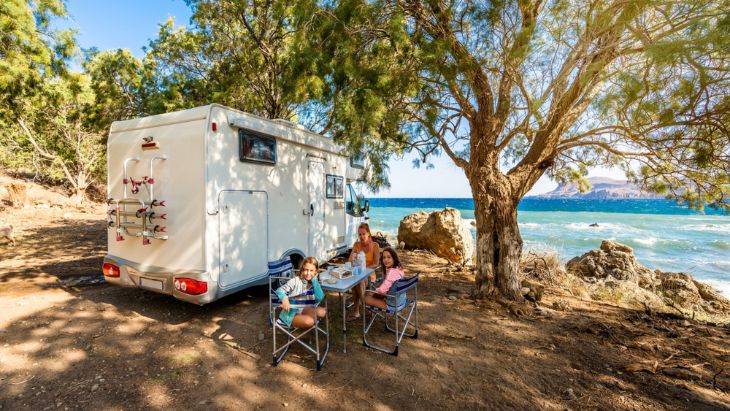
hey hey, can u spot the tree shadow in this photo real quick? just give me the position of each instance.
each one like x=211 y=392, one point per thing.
x=62 y=244
x=111 y=346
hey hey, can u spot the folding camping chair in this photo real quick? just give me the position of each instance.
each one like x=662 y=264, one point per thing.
x=402 y=314
x=292 y=333
x=280 y=271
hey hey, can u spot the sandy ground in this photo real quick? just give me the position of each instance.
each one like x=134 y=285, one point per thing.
x=68 y=341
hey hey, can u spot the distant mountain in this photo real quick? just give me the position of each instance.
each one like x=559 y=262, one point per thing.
x=601 y=188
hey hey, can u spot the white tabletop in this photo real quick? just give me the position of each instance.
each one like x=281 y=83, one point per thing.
x=344 y=284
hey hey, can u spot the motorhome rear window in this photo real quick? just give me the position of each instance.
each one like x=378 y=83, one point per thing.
x=357 y=160
x=257 y=147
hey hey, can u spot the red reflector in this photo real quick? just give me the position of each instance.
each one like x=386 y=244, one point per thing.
x=215 y=126
x=150 y=145
x=110 y=270
x=190 y=286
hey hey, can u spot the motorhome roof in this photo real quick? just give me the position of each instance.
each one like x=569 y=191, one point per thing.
x=278 y=127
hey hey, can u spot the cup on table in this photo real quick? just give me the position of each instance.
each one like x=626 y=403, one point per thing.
x=348 y=266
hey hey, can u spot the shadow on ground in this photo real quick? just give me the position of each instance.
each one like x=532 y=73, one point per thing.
x=110 y=347
x=105 y=347
x=45 y=253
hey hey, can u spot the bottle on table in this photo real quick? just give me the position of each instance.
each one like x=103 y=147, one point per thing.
x=363 y=266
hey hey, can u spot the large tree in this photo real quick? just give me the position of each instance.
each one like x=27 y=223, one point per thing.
x=234 y=52
x=512 y=90
x=44 y=106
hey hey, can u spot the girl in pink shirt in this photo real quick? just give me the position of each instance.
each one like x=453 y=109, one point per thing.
x=393 y=273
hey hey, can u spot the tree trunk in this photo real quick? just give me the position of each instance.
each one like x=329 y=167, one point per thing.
x=79 y=196
x=499 y=244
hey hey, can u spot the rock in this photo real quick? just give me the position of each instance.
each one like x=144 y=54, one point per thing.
x=534 y=290
x=615 y=275
x=410 y=229
x=679 y=288
x=571 y=394
x=94 y=387
x=442 y=232
x=561 y=305
x=612 y=260
x=714 y=299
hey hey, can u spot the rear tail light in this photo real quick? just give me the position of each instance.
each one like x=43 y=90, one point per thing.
x=190 y=286
x=110 y=270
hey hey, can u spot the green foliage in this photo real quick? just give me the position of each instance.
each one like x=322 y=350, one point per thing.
x=26 y=54
x=123 y=87
x=235 y=53
x=43 y=106
x=560 y=86
x=676 y=108
x=557 y=86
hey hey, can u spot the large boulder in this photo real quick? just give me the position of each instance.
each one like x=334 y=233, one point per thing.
x=612 y=260
x=442 y=232
x=614 y=271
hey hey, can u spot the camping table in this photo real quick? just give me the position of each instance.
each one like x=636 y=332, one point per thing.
x=342 y=286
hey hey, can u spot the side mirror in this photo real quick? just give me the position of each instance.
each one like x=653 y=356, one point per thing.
x=367 y=206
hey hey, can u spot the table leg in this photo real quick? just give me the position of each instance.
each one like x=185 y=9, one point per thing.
x=344 y=323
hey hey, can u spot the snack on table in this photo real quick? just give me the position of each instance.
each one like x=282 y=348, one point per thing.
x=340 y=273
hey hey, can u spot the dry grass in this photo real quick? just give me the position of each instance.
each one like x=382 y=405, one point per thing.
x=544 y=267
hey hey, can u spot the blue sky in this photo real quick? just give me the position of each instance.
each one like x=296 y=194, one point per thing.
x=130 y=24
x=108 y=24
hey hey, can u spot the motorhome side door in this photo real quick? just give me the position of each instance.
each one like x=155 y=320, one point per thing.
x=315 y=186
x=244 y=236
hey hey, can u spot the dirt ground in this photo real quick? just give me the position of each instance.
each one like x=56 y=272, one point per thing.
x=70 y=341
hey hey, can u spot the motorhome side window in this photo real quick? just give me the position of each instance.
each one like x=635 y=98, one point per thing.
x=334 y=186
x=256 y=147
x=357 y=161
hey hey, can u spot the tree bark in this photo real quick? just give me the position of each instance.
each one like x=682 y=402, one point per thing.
x=499 y=243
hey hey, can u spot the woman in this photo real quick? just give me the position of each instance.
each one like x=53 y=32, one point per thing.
x=371 y=249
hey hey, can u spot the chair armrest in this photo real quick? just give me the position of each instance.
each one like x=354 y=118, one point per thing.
x=375 y=292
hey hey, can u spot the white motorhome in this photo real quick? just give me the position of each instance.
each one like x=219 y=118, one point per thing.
x=201 y=200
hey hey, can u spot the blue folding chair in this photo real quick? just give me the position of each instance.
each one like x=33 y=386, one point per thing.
x=279 y=273
x=405 y=312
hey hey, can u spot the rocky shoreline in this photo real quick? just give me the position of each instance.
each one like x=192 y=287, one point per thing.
x=609 y=274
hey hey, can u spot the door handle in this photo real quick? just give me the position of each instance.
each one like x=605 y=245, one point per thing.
x=311 y=210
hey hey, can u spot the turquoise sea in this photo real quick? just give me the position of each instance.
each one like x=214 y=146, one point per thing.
x=662 y=233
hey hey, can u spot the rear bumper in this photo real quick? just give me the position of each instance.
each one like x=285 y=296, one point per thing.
x=160 y=280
